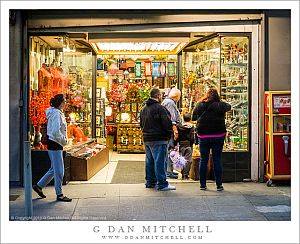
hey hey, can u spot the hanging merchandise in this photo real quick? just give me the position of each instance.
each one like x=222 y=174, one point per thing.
x=138 y=69
x=162 y=69
x=155 y=69
x=148 y=68
x=39 y=102
x=171 y=69
x=100 y=64
x=44 y=78
x=122 y=64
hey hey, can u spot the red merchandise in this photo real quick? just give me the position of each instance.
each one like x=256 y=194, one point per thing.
x=44 y=78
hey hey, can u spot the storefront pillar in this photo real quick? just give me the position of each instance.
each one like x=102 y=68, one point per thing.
x=18 y=105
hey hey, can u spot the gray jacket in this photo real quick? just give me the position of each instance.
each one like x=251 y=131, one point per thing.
x=170 y=105
x=57 y=126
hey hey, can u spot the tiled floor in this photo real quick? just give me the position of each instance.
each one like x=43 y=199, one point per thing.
x=105 y=175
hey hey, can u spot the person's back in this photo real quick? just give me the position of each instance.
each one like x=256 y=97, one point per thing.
x=155 y=123
x=186 y=132
x=210 y=117
x=211 y=131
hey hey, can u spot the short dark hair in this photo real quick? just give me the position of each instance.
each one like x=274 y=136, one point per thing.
x=57 y=100
x=187 y=117
x=154 y=93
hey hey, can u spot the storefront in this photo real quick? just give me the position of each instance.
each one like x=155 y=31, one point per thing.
x=106 y=77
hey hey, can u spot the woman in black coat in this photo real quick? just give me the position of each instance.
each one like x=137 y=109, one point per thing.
x=211 y=131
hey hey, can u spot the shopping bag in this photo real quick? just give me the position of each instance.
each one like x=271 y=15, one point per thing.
x=178 y=161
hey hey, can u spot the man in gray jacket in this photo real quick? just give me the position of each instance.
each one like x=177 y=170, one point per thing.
x=170 y=104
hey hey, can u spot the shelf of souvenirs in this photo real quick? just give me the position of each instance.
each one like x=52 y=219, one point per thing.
x=233 y=93
x=224 y=78
x=73 y=148
x=83 y=122
x=242 y=87
x=235 y=64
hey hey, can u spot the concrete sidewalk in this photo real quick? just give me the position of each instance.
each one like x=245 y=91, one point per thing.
x=238 y=202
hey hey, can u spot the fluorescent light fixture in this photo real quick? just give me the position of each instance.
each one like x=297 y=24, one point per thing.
x=137 y=46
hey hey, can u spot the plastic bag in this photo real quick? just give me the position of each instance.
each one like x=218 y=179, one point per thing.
x=178 y=161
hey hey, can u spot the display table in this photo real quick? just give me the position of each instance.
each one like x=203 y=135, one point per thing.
x=85 y=167
x=81 y=161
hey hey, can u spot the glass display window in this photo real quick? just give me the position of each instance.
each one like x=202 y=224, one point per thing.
x=201 y=70
x=220 y=62
x=56 y=70
x=282 y=124
x=79 y=93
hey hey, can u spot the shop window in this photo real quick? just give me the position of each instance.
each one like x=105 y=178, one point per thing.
x=55 y=70
x=220 y=62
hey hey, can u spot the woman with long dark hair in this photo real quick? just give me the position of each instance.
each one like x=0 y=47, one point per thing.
x=211 y=131
x=56 y=139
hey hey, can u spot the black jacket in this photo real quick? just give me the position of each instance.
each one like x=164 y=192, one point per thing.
x=213 y=120
x=186 y=134
x=155 y=121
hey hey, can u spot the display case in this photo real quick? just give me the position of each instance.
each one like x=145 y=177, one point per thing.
x=200 y=71
x=78 y=109
x=130 y=138
x=234 y=90
x=55 y=68
x=278 y=136
x=222 y=61
x=87 y=160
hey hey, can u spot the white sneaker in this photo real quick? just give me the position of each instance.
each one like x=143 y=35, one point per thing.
x=168 y=188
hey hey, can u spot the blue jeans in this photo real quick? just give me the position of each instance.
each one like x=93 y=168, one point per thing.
x=216 y=144
x=156 y=154
x=56 y=170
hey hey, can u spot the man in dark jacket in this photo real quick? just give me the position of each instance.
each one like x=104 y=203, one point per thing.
x=157 y=130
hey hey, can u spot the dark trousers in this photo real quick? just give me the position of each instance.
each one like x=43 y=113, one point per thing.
x=216 y=144
x=186 y=151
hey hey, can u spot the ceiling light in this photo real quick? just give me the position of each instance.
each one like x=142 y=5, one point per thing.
x=137 y=46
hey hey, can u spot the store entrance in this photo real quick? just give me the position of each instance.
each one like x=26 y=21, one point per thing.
x=107 y=82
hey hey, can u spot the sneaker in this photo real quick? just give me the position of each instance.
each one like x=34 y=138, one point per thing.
x=167 y=188
x=63 y=198
x=175 y=173
x=203 y=188
x=39 y=191
x=220 y=188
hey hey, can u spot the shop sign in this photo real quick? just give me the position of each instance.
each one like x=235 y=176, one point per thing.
x=282 y=101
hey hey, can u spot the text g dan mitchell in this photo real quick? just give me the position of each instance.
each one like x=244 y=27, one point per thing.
x=154 y=229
